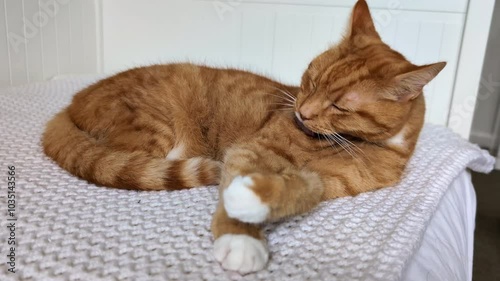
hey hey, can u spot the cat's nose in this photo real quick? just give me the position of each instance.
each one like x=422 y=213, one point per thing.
x=307 y=112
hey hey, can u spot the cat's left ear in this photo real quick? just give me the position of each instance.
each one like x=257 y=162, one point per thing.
x=409 y=85
x=361 y=21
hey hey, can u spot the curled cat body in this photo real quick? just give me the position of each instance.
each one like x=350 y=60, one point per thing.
x=274 y=150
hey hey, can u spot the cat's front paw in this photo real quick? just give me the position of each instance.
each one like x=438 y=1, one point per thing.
x=242 y=203
x=240 y=253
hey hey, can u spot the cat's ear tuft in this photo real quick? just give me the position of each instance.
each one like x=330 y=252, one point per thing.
x=361 y=21
x=409 y=85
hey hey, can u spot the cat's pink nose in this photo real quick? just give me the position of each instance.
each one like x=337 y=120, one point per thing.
x=307 y=112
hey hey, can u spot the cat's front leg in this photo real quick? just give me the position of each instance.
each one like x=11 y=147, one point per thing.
x=238 y=246
x=257 y=186
x=260 y=197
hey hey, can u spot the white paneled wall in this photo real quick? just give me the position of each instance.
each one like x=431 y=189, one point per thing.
x=278 y=37
x=40 y=39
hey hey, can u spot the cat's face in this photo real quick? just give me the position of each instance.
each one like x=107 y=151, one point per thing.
x=360 y=87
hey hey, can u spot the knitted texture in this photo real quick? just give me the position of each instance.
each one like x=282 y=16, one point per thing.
x=68 y=229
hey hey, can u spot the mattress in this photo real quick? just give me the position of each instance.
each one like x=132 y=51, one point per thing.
x=447 y=244
x=68 y=229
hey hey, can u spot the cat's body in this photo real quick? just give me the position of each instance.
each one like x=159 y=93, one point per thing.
x=120 y=132
x=274 y=150
x=166 y=113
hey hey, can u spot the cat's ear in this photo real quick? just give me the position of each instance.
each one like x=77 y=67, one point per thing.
x=361 y=21
x=409 y=85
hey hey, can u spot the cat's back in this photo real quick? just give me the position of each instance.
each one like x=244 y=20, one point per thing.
x=144 y=79
x=163 y=94
x=137 y=124
x=124 y=96
x=170 y=80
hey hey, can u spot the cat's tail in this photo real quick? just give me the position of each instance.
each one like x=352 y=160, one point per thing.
x=93 y=160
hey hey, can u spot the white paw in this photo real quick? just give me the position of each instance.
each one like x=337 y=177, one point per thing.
x=240 y=253
x=242 y=203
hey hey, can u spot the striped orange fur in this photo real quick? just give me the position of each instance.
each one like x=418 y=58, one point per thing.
x=275 y=150
x=163 y=127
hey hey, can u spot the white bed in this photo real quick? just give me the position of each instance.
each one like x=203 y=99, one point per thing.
x=447 y=245
x=72 y=230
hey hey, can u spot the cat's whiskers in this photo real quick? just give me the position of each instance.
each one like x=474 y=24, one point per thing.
x=343 y=145
x=341 y=141
x=349 y=148
x=283 y=109
x=350 y=143
x=286 y=102
x=288 y=94
x=333 y=145
x=284 y=98
x=283 y=103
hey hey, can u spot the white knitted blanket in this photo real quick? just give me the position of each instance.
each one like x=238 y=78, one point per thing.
x=68 y=229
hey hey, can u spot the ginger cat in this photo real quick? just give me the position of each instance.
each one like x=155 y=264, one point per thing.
x=275 y=150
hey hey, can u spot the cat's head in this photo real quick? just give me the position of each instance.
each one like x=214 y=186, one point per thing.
x=361 y=87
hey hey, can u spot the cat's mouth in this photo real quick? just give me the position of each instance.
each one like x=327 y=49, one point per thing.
x=303 y=127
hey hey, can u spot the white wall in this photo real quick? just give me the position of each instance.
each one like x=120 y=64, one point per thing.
x=40 y=39
x=488 y=102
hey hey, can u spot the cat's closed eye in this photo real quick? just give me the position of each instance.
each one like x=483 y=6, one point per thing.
x=312 y=85
x=339 y=108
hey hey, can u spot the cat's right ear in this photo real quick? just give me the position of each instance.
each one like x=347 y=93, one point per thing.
x=409 y=85
x=362 y=21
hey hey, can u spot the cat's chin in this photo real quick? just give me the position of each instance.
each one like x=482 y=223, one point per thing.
x=303 y=128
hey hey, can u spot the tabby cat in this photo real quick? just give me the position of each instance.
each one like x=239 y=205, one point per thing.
x=274 y=150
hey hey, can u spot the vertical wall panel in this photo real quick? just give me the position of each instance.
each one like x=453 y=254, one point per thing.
x=63 y=25
x=46 y=38
x=257 y=48
x=49 y=39
x=33 y=40
x=321 y=35
x=388 y=32
x=219 y=40
x=76 y=35
x=429 y=51
x=340 y=23
x=407 y=37
x=451 y=39
x=4 y=47
x=291 y=51
x=89 y=17
x=16 y=41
